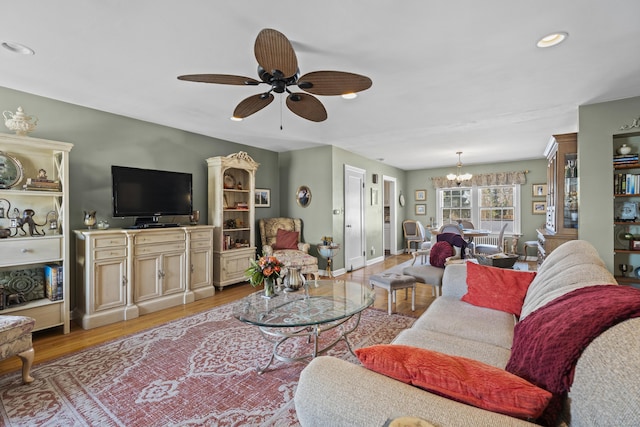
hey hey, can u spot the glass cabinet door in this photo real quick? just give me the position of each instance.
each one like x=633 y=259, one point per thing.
x=570 y=191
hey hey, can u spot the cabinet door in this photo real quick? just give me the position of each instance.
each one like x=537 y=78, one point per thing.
x=172 y=275
x=109 y=278
x=201 y=259
x=146 y=276
x=234 y=265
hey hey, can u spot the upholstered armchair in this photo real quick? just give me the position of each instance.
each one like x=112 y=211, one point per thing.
x=281 y=238
x=15 y=340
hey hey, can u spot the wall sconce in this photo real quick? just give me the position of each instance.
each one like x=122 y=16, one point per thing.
x=52 y=219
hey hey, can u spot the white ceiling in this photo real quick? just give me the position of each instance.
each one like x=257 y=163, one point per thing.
x=447 y=75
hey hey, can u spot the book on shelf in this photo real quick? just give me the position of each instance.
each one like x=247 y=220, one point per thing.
x=53 y=282
x=41 y=184
x=624 y=159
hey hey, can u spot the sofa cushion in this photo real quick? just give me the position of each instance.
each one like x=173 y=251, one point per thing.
x=465 y=380
x=286 y=239
x=572 y=265
x=451 y=316
x=439 y=254
x=497 y=288
x=455 y=346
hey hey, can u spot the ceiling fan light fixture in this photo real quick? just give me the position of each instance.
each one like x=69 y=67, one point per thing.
x=18 y=48
x=552 y=39
x=350 y=95
x=235 y=119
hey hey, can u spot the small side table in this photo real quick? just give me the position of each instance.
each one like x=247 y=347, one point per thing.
x=328 y=252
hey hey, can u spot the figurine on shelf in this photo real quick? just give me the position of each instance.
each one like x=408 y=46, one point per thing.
x=27 y=219
x=89 y=218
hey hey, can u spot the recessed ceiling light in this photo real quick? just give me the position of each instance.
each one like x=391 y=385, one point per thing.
x=18 y=48
x=235 y=119
x=350 y=95
x=552 y=39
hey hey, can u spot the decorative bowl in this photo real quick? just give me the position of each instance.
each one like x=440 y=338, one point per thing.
x=498 y=260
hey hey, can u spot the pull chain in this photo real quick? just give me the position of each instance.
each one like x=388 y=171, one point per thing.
x=280 y=111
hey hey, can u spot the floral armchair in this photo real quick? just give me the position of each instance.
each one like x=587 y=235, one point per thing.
x=281 y=238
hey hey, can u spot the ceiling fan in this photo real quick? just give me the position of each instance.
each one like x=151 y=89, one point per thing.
x=278 y=68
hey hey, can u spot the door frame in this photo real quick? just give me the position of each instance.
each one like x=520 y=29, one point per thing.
x=363 y=174
x=393 y=214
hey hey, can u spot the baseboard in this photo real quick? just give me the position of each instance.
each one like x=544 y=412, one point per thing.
x=375 y=260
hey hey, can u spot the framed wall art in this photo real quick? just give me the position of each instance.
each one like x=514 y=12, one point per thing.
x=303 y=196
x=539 y=190
x=421 y=209
x=262 y=198
x=421 y=195
x=538 y=208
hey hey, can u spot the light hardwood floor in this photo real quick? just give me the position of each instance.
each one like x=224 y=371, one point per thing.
x=52 y=343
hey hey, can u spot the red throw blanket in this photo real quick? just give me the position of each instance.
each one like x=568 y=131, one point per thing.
x=548 y=342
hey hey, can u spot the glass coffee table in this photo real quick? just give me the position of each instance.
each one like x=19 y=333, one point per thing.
x=318 y=307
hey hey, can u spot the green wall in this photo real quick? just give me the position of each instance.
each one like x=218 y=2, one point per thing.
x=101 y=139
x=312 y=168
x=373 y=215
x=597 y=125
x=322 y=170
x=421 y=180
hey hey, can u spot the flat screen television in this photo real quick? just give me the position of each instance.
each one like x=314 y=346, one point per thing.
x=148 y=194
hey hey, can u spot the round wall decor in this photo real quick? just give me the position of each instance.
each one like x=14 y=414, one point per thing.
x=10 y=170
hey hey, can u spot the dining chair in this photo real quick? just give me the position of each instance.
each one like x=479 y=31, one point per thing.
x=489 y=249
x=451 y=228
x=411 y=234
x=467 y=225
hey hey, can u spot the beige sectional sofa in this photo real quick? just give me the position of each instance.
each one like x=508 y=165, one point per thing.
x=606 y=387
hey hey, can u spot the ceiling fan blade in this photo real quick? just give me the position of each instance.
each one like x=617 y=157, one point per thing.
x=224 y=79
x=333 y=82
x=274 y=52
x=306 y=106
x=252 y=104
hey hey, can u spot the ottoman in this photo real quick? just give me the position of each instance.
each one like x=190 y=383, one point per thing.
x=392 y=282
x=427 y=274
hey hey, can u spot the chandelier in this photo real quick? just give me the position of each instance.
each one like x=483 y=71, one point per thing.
x=459 y=177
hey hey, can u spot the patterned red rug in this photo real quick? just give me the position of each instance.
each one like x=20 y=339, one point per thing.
x=196 y=371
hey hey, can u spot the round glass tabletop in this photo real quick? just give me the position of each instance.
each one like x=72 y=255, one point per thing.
x=318 y=302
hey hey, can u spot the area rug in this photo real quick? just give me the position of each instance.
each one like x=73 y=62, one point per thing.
x=196 y=371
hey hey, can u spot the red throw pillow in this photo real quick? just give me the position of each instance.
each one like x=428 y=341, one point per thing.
x=286 y=239
x=459 y=378
x=439 y=253
x=497 y=288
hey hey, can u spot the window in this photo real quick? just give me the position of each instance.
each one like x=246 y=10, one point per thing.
x=496 y=207
x=488 y=208
x=456 y=205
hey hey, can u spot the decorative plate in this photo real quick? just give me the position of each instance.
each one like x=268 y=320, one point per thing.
x=229 y=181
x=401 y=200
x=10 y=170
x=626 y=211
x=636 y=272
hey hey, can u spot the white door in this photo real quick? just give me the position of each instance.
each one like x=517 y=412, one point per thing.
x=354 y=244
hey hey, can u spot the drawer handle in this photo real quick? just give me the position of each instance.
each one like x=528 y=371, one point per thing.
x=25 y=250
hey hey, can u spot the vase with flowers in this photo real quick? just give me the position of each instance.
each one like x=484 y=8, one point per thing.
x=265 y=270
